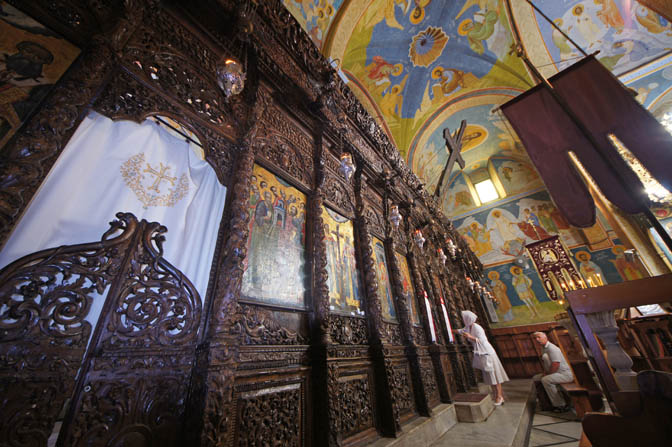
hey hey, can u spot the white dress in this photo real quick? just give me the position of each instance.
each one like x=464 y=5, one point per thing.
x=498 y=374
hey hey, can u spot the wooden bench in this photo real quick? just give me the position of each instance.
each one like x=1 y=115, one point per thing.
x=579 y=396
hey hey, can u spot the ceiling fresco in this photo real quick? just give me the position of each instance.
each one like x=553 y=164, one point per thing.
x=625 y=33
x=420 y=66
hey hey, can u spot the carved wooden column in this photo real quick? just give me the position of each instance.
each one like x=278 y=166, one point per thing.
x=325 y=374
x=379 y=339
x=436 y=349
x=210 y=423
x=424 y=385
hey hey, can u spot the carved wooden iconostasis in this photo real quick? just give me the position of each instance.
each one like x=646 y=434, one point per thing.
x=322 y=323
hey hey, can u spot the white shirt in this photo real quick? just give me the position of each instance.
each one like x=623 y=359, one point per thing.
x=555 y=355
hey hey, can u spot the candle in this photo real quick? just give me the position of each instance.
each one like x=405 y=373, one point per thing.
x=572 y=285
x=599 y=279
x=590 y=282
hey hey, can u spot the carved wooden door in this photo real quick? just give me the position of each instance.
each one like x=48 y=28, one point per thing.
x=129 y=388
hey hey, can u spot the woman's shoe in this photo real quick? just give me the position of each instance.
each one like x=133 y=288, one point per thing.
x=499 y=402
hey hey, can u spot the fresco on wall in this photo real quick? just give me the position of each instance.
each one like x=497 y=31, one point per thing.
x=516 y=175
x=609 y=266
x=521 y=298
x=32 y=59
x=401 y=58
x=345 y=287
x=314 y=16
x=520 y=295
x=458 y=198
x=500 y=233
x=274 y=266
x=407 y=285
x=626 y=33
x=485 y=136
x=383 y=280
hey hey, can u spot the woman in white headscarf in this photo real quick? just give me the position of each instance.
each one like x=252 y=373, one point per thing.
x=485 y=357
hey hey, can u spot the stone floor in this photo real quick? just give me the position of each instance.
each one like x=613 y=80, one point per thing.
x=507 y=426
x=557 y=430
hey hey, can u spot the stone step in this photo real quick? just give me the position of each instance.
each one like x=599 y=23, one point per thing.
x=423 y=431
x=473 y=407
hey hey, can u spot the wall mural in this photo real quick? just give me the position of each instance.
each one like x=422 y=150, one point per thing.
x=500 y=233
x=458 y=197
x=516 y=174
x=408 y=288
x=520 y=294
x=383 y=280
x=275 y=264
x=33 y=59
x=488 y=144
x=345 y=287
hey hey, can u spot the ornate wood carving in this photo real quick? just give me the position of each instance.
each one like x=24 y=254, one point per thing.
x=257 y=326
x=402 y=389
x=428 y=377
x=127 y=98
x=376 y=222
x=153 y=311
x=77 y=20
x=354 y=404
x=150 y=308
x=285 y=145
x=393 y=332
x=318 y=250
x=348 y=331
x=271 y=417
x=339 y=194
x=263 y=357
x=45 y=299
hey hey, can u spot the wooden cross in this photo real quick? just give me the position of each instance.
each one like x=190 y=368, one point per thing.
x=454 y=145
x=160 y=175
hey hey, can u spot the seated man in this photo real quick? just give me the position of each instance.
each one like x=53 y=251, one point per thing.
x=557 y=370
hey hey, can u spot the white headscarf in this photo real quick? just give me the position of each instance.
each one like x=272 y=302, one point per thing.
x=469 y=318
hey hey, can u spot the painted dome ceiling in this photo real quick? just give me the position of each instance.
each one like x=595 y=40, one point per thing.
x=420 y=66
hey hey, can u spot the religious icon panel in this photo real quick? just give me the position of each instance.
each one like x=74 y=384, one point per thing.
x=274 y=267
x=345 y=287
x=34 y=59
x=384 y=288
x=408 y=288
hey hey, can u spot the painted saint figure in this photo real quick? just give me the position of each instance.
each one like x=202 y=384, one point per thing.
x=590 y=271
x=523 y=286
x=504 y=308
x=628 y=270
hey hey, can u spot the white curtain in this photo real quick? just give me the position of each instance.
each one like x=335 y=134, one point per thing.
x=111 y=166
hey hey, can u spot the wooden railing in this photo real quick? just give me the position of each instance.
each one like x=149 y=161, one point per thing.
x=592 y=312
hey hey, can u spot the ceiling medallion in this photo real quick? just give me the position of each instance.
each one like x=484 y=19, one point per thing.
x=427 y=46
